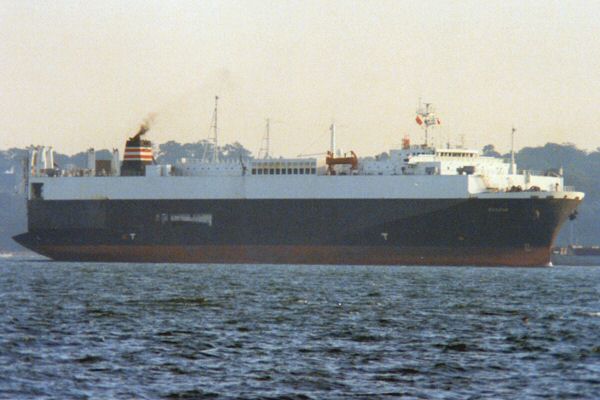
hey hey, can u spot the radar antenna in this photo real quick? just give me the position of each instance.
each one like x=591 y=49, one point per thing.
x=426 y=118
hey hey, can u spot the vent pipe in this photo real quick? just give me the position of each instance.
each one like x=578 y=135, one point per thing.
x=40 y=160
x=32 y=161
x=49 y=158
x=115 y=163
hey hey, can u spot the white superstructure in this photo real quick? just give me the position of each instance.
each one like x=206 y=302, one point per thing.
x=412 y=172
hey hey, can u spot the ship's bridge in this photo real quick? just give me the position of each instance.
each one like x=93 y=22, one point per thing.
x=423 y=160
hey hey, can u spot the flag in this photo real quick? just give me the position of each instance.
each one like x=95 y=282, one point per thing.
x=419 y=120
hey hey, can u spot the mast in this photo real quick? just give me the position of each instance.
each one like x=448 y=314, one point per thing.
x=268 y=138
x=332 y=143
x=216 y=132
x=512 y=152
x=212 y=144
x=426 y=118
x=266 y=141
x=426 y=125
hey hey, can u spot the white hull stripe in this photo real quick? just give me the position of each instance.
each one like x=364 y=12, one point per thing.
x=280 y=187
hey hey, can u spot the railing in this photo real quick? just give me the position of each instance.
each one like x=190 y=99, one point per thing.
x=61 y=173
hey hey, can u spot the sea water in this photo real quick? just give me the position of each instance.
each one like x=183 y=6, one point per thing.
x=97 y=330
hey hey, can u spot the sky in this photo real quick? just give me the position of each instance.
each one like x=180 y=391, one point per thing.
x=81 y=74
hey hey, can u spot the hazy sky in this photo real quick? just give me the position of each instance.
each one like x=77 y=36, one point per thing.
x=77 y=74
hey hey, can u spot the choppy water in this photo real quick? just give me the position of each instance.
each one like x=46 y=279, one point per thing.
x=187 y=331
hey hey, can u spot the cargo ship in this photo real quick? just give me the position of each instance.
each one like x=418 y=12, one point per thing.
x=576 y=255
x=421 y=205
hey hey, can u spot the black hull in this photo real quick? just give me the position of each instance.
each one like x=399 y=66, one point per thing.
x=386 y=232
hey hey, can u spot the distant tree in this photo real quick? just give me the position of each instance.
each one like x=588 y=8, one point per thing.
x=235 y=151
x=79 y=159
x=382 y=156
x=552 y=155
x=196 y=150
x=171 y=152
x=490 y=151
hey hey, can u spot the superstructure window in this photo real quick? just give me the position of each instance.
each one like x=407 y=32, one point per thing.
x=253 y=171
x=277 y=171
x=271 y=171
